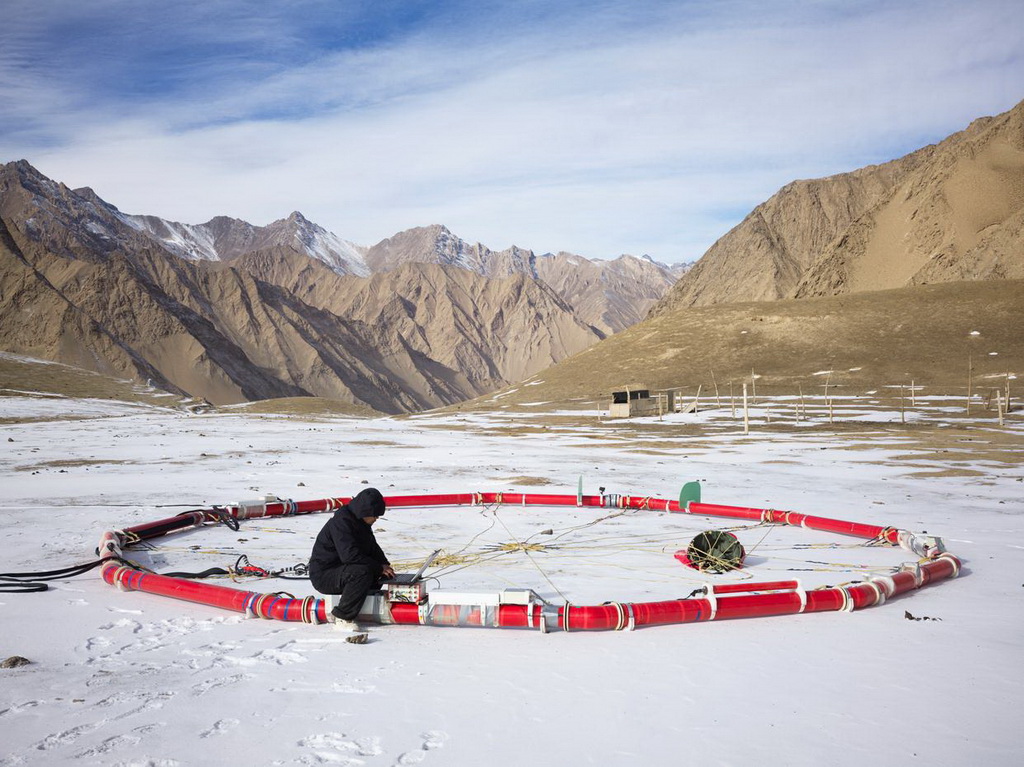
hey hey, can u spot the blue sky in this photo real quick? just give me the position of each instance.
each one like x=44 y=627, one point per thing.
x=595 y=127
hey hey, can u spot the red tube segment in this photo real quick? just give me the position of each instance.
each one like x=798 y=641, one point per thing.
x=272 y=606
x=731 y=512
x=739 y=588
x=791 y=518
x=286 y=508
x=169 y=525
x=774 y=598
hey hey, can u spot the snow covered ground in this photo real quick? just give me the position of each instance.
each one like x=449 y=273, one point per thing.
x=134 y=679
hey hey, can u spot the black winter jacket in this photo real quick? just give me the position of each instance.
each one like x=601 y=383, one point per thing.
x=346 y=539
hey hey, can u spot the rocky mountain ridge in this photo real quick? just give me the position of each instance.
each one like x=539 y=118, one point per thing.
x=610 y=295
x=81 y=285
x=225 y=239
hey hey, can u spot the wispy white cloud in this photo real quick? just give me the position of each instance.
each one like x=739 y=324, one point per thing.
x=636 y=127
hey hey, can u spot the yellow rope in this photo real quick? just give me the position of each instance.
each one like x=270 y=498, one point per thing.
x=526 y=551
x=524 y=547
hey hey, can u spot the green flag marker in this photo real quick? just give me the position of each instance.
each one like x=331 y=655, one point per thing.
x=689 y=494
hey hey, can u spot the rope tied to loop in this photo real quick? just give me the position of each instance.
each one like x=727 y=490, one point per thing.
x=308 y=610
x=624 y=615
x=882 y=539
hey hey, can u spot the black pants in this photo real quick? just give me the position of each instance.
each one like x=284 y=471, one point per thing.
x=352 y=582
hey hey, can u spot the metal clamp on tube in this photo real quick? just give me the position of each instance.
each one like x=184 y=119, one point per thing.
x=251 y=509
x=925 y=546
x=548 y=619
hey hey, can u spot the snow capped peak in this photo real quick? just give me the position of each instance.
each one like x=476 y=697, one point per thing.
x=309 y=237
x=453 y=250
x=188 y=241
x=340 y=255
x=223 y=239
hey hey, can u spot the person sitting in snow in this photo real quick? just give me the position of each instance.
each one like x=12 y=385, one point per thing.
x=346 y=558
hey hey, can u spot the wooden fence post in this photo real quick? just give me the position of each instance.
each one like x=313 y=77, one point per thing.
x=970 y=377
x=746 y=413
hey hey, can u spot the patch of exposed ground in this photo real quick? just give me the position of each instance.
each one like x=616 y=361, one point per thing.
x=306 y=406
x=947 y=473
x=527 y=481
x=71 y=464
x=23 y=376
x=41 y=419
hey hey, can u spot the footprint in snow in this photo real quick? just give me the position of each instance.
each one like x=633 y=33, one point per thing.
x=338 y=748
x=212 y=684
x=220 y=727
x=65 y=737
x=123 y=623
x=115 y=742
x=17 y=708
x=93 y=643
x=279 y=657
x=135 y=702
x=432 y=740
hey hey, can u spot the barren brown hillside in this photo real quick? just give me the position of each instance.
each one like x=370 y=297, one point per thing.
x=868 y=340
x=609 y=295
x=26 y=376
x=948 y=212
x=482 y=332
x=957 y=216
